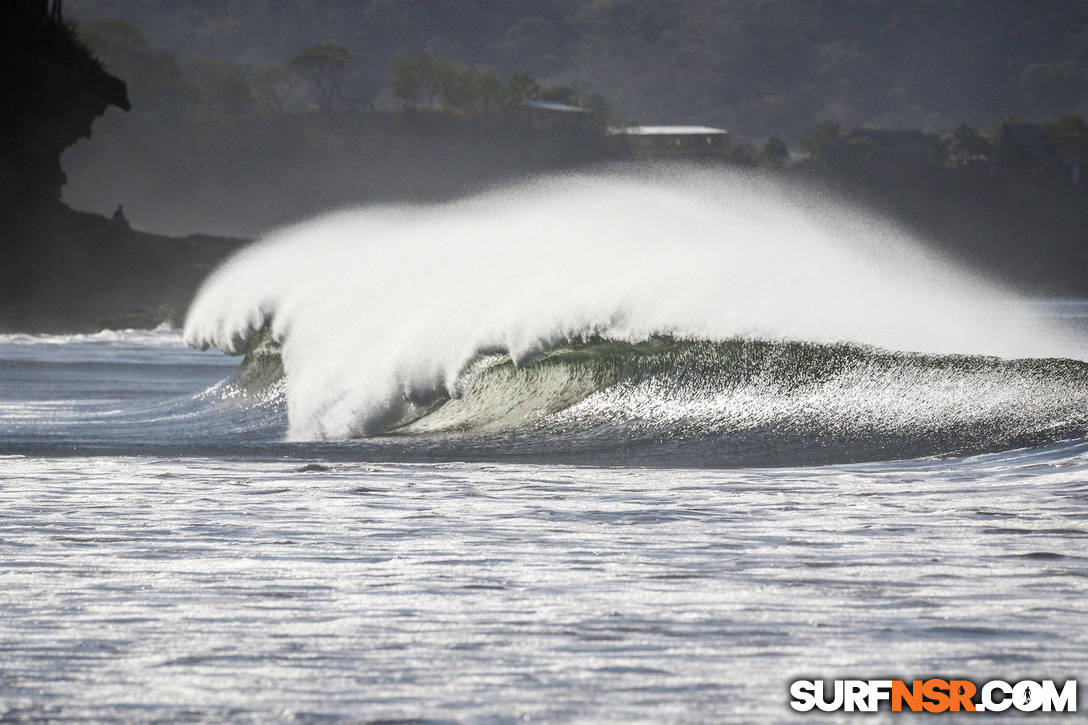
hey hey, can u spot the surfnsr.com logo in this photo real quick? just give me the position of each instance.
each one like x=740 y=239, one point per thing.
x=933 y=695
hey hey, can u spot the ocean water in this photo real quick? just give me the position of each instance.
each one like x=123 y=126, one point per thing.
x=655 y=477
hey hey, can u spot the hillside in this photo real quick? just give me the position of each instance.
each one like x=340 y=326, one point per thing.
x=759 y=67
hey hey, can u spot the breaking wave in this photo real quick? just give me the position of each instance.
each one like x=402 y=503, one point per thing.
x=737 y=402
x=677 y=313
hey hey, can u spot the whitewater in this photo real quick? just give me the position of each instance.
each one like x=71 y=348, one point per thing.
x=728 y=313
x=611 y=446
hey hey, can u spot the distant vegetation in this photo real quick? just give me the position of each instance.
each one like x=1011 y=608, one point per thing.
x=325 y=77
x=249 y=115
x=758 y=67
x=215 y=145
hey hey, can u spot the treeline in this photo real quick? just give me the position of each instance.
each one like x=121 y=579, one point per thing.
x=758 y=67
x=250 y=115
x=230 y=148
x=1065 y=138
x=436 y=82
x=325 y=77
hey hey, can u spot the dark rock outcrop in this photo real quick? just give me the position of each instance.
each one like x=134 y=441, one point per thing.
x=62 y=270
x=53 y=89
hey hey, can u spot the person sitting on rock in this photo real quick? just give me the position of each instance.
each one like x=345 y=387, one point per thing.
x=119 y=216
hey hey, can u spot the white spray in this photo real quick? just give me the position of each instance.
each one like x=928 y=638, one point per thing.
x=379 y=305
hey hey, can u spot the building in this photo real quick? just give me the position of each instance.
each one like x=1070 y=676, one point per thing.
x=672 y=141
x=550 y=116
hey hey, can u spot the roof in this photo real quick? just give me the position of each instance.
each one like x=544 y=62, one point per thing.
x=667 y=130
x=553 y=106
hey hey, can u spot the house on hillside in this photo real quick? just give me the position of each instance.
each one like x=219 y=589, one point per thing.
x=672 y=141
x=539 y=115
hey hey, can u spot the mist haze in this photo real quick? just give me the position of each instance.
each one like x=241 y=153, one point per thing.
x=227 y=137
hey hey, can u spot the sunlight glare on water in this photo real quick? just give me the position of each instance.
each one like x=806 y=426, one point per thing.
x=141 y=588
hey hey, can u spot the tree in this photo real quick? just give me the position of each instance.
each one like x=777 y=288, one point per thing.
x=324 y=66
x=464 y=89
x=417 y=79
x=489 y=92
x=469 y=90
x=522 y=87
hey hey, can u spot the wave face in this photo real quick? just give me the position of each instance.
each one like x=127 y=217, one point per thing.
x=667 y=305
x=737 y=402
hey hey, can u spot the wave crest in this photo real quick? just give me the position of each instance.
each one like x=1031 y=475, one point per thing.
x=383 y=314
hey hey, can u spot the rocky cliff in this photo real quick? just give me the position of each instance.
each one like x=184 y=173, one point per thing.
x=62 y=270
x=53 y=89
